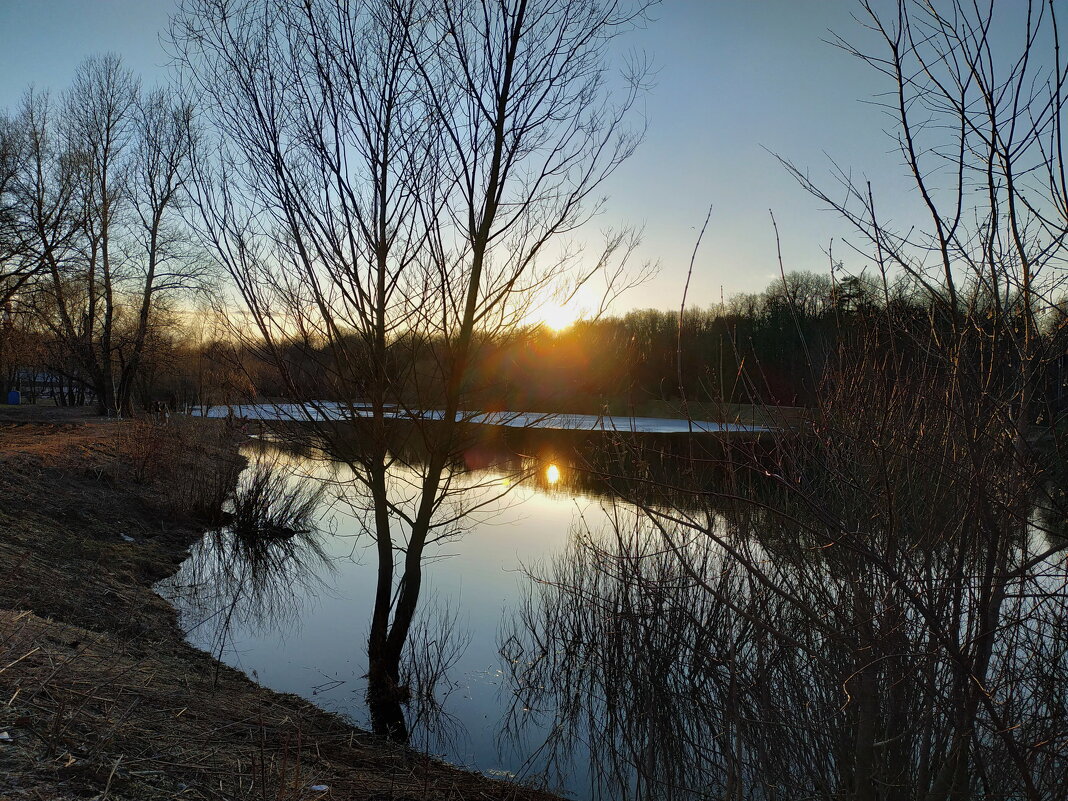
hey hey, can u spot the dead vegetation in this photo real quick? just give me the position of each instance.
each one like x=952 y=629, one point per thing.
x=99 y=695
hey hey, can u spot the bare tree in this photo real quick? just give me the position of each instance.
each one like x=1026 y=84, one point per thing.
x=15 y=266
x=99 y=193
x=46 y=198
x=976 y=95
x=99 y=116
x=867 y=608
x=870 y=608
x=161 y=258
x=389 y=179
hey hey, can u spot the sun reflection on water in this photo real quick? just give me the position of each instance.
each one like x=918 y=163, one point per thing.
x=552 y=474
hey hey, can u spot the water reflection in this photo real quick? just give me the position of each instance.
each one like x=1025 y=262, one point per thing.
x=256 y=571
x=654 y=655
x=857 y=621
x=302 y=630
x=292 y=607
x=589 y=463
x=552 y=474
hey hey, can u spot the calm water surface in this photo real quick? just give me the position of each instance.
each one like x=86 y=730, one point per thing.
x=302 y=628
x=643 y=684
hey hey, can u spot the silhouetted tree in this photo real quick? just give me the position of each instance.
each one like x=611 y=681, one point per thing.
x=387 y=180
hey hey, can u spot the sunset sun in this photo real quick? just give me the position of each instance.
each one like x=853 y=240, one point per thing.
x=557 y=316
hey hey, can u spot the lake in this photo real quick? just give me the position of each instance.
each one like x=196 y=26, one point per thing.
x=300 y=624
x=736 y=636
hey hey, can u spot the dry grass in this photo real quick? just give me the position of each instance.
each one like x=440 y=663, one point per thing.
x=90 y=714
x=99 y=695
x=186 y=461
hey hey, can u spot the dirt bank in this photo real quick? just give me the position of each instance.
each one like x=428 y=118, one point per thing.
x=99 y=695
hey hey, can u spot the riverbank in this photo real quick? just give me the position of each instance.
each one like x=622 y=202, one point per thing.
x=99 y=694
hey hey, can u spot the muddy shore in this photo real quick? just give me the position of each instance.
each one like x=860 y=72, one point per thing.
x=100 y=697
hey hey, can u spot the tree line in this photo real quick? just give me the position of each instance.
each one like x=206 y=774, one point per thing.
x=769 y=348
x=109 y=295
x=97 y=265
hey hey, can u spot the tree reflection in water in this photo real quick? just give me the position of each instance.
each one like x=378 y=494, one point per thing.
x=255 y=575
x=688 y=675
x=878 y=612
x=253 y=572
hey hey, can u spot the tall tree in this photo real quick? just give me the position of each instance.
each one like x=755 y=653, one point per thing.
x=99 y=195
x=389 y=178
x=15 y=265
x=99 y=116
x=161 y=258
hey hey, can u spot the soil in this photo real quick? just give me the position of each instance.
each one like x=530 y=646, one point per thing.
x=100 y=697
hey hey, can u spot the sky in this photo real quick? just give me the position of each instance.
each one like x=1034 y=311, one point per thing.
x=736 y=82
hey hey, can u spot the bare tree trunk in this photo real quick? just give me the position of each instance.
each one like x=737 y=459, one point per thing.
x=413 y=160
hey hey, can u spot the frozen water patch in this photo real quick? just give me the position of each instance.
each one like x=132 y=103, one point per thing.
x=325 y=411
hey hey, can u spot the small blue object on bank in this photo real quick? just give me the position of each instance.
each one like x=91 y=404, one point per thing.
x=14 y=397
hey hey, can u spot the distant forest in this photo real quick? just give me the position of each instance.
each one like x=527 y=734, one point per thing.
x=773 y=347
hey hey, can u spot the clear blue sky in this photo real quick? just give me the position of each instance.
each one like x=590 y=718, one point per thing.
x=736 y=78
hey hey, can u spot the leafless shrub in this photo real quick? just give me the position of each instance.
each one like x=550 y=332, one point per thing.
x=251 y=571
x=269 y=502
x=191 y=463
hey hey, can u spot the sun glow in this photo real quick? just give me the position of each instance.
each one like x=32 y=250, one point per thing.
x=552 y=474
x=557 y=316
